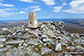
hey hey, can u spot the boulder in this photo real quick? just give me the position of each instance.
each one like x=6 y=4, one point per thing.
x=34 y=42
x=70 y=47
x=15 y=52
x=45 y=50
x=3 y=49
x=15 y=42
x=2 y=39
x=58 y=47
x=33 y=53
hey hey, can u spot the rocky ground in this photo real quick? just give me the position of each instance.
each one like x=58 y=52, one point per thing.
x=49 y=39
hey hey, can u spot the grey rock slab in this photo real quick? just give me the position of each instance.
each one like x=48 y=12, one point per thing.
x=79 y=47
x=1 y=45
x=5 y=29
x=3 y=49
x=34 y=42
x=2 y=39
x=45 y=50
x=2 y=54
x=15 y=42
x=33 y=54
x=70 y=47
x=58 y=47
x=15 y=52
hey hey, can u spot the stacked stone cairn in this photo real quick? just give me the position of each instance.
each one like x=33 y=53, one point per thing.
x=48 y=39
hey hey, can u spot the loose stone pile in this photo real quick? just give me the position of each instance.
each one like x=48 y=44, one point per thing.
x=49 y=39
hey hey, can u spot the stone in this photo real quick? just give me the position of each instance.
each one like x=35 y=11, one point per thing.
x=67 y=54
x=44 y=35
x=58 y=47
x=1 y=45
x=15 y=52
x=25 y=44
x=33 y=54
x=70 y=47
x=77 y=41
x=2 y=39
x=45 y=50
x=15 y=42
x=34 y=42
x=2 y=54
x=20 y=47
x=80 y=47
x=3 y=49
x=6 y=31
x=29 y=48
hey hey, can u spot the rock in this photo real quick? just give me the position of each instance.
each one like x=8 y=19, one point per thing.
x=33 y=54
x=2 y=54
x=20 y=47
x=45 y=50
x=30 y=48
x=9 y=35
x=25 y=44
x=15 y=52
x=2 y=39
x=58 y=47
x=70 y=47
x=77 y=41
x=1 y=45
x=44 y=35
x=6 y=31
x=67 y=54
x=80 y=47
x=15 y=42
x=19 y=34
x=44 y=39
x=34 y=42
x=3 y=49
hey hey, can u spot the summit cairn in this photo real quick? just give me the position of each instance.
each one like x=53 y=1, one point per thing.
x=32 y=21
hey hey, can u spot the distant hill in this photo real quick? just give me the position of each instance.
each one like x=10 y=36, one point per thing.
x=71 y=26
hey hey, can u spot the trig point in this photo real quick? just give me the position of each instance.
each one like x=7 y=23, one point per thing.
x=32 y=21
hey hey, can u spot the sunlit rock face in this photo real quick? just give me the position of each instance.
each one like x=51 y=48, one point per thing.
x=32 y=22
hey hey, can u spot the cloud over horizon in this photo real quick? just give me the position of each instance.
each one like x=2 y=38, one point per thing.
x=43 y=8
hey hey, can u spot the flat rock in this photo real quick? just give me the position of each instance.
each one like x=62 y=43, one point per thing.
x=3 y=49
x=1 y=45
x=15 y=42
x=33 y=54
x=15 y=52
x=58 y=47
x=2 y=39
x=34 y=42
x=45 y=50
x=70 y=47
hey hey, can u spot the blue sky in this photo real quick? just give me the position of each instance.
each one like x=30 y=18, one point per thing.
x=19 y=9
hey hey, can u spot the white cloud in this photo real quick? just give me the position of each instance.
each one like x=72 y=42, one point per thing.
x=5 y=15
x=59 y=8
x=35 y=8
x=9 y=9
x=77 y=7
x=26 y=1
x=49 y=2
x=4 y=12
x=22 y=12
x=6 y=5
x=76 y=3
